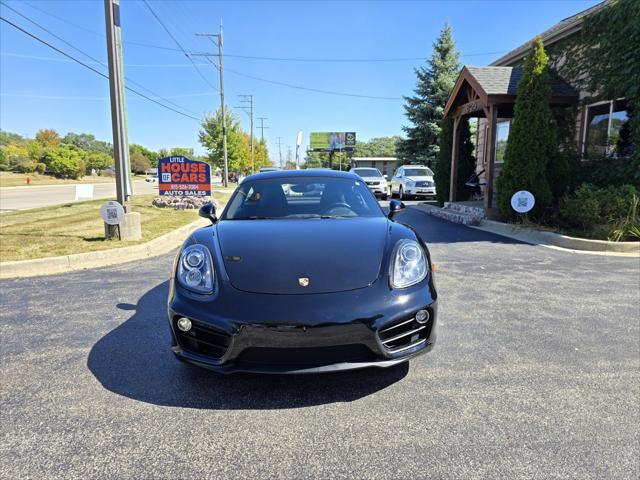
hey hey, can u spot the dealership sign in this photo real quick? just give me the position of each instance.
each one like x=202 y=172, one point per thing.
x=180 y=176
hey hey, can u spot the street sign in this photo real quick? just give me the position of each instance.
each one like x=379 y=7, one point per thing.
x=522 y=201
x=181 y=176
x=112 y=212
x=84 y=191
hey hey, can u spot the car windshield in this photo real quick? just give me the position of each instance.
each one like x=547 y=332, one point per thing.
x=301 y=198
x=367 y=172
x=418 y=172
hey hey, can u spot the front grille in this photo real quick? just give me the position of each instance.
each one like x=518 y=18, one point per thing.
x=306 y=356
x=204 y=340
x=424 y=184
x=404 y=335
x=372 y=183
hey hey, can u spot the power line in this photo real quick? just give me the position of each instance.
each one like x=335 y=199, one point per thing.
x=91 y=57
x=317 y=90
x=80 y=62
x=178 y=44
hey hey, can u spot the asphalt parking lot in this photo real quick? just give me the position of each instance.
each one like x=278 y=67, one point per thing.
x=536 y=374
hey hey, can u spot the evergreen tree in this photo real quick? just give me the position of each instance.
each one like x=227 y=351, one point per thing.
x=425 y=108
x=532 y=138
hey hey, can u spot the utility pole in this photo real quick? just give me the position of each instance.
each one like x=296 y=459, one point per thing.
x=249 y=99
x=280 y=150
x=116 y=93
x=220 y=67
x=262 y=127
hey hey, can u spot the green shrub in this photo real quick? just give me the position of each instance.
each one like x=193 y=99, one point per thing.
x=599 y=212
x=65 y=161
x=41 y=167
x=605 y=171
x=23 y=165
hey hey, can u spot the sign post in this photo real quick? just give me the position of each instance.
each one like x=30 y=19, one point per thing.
x=112 y=213
x=522 y=202
x=180 y=176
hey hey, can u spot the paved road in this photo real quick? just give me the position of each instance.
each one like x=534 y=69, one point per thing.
x=536 y=375
x=22 y=198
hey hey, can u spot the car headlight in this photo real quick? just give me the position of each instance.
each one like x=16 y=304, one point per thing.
x=195 y=269
x=408 y=264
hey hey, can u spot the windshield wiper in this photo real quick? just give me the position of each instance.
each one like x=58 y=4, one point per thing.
x=337 y=216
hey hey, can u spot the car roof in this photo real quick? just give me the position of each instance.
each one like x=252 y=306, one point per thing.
x=310 y=172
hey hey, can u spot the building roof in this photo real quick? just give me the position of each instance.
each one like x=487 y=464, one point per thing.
x=560 y=30
x=478 y=87
x=505 y=81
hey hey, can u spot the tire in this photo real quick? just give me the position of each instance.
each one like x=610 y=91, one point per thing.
x=401 y=195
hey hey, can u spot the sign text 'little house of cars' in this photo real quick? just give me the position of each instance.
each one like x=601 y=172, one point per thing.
x=180 y=176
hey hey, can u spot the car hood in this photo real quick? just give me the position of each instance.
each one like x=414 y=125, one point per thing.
x=275 y=256
x=374 y=179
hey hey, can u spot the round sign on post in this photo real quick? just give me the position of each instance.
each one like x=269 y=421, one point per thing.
x=522 y=201
x=112 y=212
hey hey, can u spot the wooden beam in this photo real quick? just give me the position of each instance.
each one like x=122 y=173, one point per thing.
x=454 y=159
x=491 y=157
x=468 y=108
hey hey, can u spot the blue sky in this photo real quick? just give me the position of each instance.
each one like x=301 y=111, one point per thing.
x=40 y=89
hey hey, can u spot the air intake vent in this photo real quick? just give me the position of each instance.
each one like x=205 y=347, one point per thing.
x=404 y=335
x=204 y=340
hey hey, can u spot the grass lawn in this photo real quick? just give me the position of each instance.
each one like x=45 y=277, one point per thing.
x=78 y=228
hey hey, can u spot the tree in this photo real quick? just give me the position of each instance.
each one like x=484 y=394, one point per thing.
x=424 y=109
x=48 y=137
x=532 y=138
x=163 y=153
x=139 y=163
x=8 y=138
x=210 y=137
x=181 y=151
x=98 y=161
x=261 y=154
x=466 y=161
x=151 y=156
x=88 y=142
x=378 y=147
x=65 y=161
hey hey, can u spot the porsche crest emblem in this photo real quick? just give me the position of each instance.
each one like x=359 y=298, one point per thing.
x=303 y=281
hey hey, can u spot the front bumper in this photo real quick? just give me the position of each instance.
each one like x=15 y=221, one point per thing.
x=236 y=331
x=421 y=191
x=378 y=189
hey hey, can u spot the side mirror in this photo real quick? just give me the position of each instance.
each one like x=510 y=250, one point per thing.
x=395 y=206
x=208 y=211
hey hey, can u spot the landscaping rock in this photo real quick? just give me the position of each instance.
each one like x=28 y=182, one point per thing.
x=180 y=203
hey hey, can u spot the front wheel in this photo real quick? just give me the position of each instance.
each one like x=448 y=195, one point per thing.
x=401 y=194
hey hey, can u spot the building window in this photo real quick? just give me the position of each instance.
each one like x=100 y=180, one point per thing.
x=605 y=130
x=502 y=135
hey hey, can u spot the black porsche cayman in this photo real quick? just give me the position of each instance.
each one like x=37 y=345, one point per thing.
x=302 y=272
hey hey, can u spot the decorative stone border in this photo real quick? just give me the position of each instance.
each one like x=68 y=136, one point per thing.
x=101 y=258
x=540 y=237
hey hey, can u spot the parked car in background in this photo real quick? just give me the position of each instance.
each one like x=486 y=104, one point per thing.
x=376 y=182
x=413 y=181
x=151 y=178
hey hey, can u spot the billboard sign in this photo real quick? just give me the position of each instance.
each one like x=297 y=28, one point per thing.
x=180 y=176
x=327 y=141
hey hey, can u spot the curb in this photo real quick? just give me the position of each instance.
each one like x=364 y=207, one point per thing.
x=101 y=258
x=553 y=240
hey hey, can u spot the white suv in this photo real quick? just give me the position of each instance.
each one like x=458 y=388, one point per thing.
x=376 y=182
x=411 y=181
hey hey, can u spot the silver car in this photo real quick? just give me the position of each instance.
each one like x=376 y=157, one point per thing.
x=376 y=182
